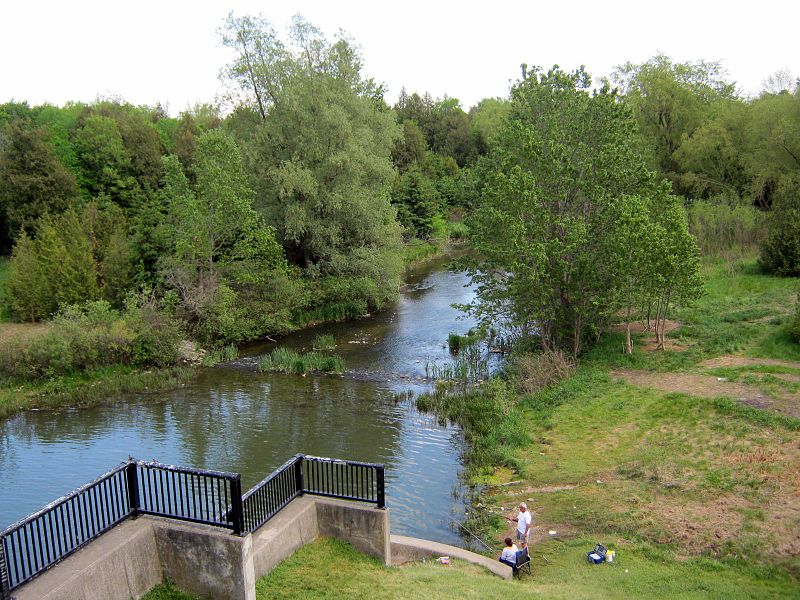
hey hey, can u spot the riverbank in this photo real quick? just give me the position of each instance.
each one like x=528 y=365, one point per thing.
x=687 y=456
x=89 y=388
x=96 y=385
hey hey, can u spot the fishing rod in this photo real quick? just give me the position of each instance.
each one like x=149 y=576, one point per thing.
x=484 y=544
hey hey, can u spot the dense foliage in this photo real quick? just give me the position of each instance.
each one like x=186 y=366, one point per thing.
x=292 y=207
x=572 y=226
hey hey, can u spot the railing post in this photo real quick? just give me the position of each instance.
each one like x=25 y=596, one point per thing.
x=298 y=475
x=381 y=487
x=5 y=584
x=237 y=506
x=132 y=477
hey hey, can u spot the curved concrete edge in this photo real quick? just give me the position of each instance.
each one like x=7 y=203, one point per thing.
x=405 y=549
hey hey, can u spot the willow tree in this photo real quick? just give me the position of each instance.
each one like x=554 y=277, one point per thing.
x=321 y=159
x=554 y=235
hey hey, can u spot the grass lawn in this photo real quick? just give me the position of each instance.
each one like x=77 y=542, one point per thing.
x=332 y=569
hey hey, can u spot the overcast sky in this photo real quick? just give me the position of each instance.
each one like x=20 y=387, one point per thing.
x=168 y=51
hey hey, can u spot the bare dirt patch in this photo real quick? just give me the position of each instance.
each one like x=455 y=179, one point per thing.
x=710 y=386
x=744 y=361
x=650 y=344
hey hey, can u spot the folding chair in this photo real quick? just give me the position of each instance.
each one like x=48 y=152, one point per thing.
x=523 y=563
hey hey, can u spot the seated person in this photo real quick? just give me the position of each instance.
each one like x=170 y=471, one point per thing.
x=509 y=554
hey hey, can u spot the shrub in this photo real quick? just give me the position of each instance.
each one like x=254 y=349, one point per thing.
x=780 y=253
x=721 y=228
x=93 y=335
x=533 y=372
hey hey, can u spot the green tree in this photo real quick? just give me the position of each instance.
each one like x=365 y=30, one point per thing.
x=554 y=174
x=33 y=181
x=226 y=259
x=322 y=158
x=671 y=100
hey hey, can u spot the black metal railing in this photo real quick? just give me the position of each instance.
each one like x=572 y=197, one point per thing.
x=345 y=479
x=32 y=545
x=199 y=496
x=274 y=492
x=41 y=540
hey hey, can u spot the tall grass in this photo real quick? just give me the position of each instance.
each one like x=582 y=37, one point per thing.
x=456 y=342
x=216 y=356
x=324 y=342
x=469 y=366
x=286 y=360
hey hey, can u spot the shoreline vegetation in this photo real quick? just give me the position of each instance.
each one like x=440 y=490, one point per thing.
x=84 y=388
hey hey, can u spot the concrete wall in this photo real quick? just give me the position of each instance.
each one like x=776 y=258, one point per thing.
x=122 y=563
x=294 y=526
x=365 y=527
x=208 y=562
x=405 y=549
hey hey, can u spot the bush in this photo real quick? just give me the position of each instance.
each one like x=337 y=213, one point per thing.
x=533 y=372
x=721 y=228
x=93 y=335
x=794 y=325
x=780 y=253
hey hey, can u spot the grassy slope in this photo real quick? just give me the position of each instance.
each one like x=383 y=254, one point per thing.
x=332 y=569
x=698 y=496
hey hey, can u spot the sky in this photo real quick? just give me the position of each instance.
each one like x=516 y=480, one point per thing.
x=168 y=51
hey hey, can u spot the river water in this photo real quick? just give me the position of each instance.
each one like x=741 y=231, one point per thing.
x=234 y=418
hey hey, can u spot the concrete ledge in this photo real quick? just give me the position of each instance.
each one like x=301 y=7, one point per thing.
x=405 y=549
x=362 y=525
x=294 y=526
x=138 y=554
x=121 y=563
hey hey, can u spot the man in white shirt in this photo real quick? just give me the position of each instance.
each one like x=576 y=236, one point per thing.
x=524 y=520
x=509 y=554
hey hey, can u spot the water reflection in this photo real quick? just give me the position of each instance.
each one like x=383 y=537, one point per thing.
x=240 y=420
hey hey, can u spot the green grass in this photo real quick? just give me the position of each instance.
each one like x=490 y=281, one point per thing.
x=333 y=569
x=688 y=480
x=3 y=277
x=86 y=389
x=324 y=342
x=286 y=360
x=216 y=356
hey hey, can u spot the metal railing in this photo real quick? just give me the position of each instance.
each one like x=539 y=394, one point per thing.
x=274 y=492
x=199 y=496
x=35 y=543
x=345 y=479
x=32 y=545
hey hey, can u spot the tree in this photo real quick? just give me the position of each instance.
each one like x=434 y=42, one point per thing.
x=671 y=100
x=33 y=181
x=224 y=253
x=321 y=160
x=555 y=183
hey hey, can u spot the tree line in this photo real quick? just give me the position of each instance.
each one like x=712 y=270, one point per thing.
x=295 y=205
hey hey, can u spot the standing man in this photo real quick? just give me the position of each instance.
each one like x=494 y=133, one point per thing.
x=524 y=520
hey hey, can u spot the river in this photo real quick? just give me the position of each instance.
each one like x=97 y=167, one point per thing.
x=233 y=418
